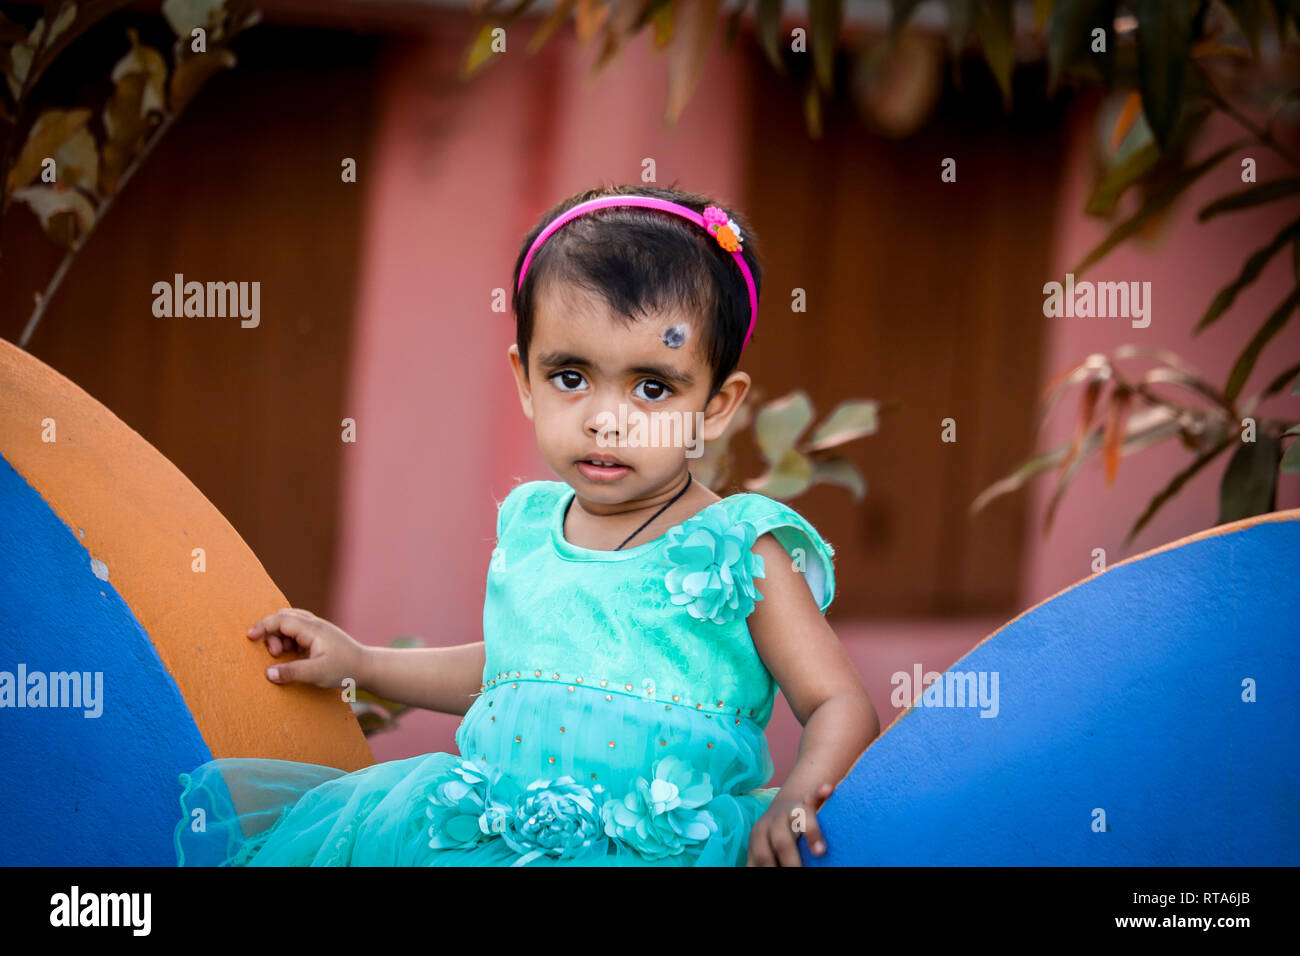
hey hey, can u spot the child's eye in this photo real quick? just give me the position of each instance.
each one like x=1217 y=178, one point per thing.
x=657 y=390
x=567 y=381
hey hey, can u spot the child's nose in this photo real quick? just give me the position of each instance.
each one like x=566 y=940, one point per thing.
x=608 y=417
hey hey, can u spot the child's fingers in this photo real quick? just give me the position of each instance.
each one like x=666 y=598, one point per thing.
x=311 y=670
x=289 y=622
x=278 y=645
x=820 y=796
x=760 y=848
x=813 y=837
x=787 y=849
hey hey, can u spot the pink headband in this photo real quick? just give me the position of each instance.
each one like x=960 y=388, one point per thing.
x=715 y=221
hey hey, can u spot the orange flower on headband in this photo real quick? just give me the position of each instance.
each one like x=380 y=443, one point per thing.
x=723 y=228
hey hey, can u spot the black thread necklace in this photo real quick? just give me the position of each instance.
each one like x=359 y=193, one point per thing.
x=647 y=521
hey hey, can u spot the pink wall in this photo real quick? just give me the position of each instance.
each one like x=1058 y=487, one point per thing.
x=461 y=173
x=1186 y=265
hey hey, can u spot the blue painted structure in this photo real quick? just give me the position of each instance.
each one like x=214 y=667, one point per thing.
x=79 y=790
x=1122 y=694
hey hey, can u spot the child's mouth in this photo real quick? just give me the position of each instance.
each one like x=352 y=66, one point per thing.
x=598 y=472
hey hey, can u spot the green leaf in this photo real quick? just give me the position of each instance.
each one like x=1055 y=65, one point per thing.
x=812 y=109
x=51 y=130
x=790 y=477
x=1278 y=383
x=1247 y=15
x=961 y=18
x=1121 y=177
x=371 y=718
x=1250 y=484
x=1070 y=32
x=824 y=20
x=767 y=19
x=840 y=471
x=184 y=15
x=899 y=13
x=1249 y=273
x=479 y=52
x=994 y=26
x=1253 y=196
x=733 y=25
x=1141 y=156
x=688 y=52
x=1295 y=389
x=1246 y=361
x=21 y=56
x=389 y=706
x=1089 y=445
x=66 y=215
x=1291 y=460
x=1162 y=197
x=1164 y=35
x=192 y=72
x=851 y=419
x=1174 y=486
x=779 y=424
x=1012 y=482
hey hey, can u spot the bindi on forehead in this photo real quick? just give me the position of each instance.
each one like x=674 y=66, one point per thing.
x=675 y=336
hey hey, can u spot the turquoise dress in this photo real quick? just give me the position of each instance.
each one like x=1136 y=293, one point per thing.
x=619 y=723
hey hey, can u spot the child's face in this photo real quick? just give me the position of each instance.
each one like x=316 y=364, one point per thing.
x=597 y=387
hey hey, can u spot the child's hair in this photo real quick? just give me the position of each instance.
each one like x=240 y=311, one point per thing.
x=639 y=260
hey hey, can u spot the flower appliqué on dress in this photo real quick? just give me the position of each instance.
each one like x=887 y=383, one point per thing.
x=559 y=818
x=462 y=808
x=663 y=815
x=714 y=566
x=563 y=819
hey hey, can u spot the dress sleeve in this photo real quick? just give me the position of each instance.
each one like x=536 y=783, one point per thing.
x=508 y=508
x=812 y=555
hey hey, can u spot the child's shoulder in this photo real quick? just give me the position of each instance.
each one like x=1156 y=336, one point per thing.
x=768 y=514
x=811 y=553
x=531 y=496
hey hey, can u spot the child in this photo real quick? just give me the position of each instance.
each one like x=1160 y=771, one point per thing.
x=614 y=711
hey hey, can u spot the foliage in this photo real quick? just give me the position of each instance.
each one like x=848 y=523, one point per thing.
x=793 y=465
x=68 y=165
x=1175 y=75
x=1107 y=423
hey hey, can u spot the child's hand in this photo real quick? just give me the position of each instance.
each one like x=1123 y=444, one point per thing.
x=773 y=841
x=334 y=655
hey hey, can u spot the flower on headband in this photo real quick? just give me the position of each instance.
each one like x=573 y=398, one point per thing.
x=723 y=228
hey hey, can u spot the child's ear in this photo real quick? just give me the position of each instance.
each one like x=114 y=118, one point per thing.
x=521 y=381
x=720 y=409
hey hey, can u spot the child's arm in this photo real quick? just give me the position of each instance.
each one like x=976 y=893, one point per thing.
x=437 y=678
x=445 y=679
x=823 y=688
